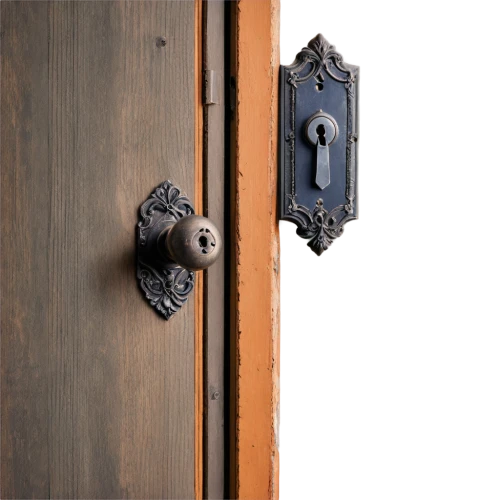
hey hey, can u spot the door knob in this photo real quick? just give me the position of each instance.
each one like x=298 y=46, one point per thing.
x=172 y=243
x=193 y=242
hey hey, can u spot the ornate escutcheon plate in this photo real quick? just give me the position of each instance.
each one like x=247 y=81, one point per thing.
x=165 y=284
x=318 y=81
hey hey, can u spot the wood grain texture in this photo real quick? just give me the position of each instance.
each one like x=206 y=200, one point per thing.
x=215 y=281
x=98 y=397
x=25 y=246
x=255 y=281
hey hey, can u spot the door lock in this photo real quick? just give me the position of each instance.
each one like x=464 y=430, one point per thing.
x=319 y=108
x=321 y=131
x=172 y=243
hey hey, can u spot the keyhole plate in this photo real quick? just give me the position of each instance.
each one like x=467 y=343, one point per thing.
x=318 y=172
x=321 y=119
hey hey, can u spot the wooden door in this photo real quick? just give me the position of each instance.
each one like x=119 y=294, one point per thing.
x=101 y=397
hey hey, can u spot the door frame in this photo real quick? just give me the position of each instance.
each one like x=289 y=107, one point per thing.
x=254 y=287
x=254 y=66
x=213 y=197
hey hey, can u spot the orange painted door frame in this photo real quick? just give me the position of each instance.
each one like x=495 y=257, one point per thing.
x=255 y=60
x=254 y=459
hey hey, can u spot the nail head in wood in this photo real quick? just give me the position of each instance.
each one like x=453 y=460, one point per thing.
x=161 y=41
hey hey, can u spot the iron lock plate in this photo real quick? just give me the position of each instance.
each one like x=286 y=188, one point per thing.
x=318 y=101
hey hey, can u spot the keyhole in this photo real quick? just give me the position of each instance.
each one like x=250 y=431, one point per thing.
x=203 y=241
x=320 y=130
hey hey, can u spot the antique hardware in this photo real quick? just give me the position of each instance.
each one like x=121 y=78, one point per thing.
x=211 y=87
x=321 y=130
x=172 y=243
x=318 y=108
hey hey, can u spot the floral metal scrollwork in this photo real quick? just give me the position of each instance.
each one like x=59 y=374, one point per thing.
x=316 y=223
x=166 y=290
x=165 y=286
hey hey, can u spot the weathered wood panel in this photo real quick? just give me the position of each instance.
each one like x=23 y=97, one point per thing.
x=97 y=390
x=25 y=204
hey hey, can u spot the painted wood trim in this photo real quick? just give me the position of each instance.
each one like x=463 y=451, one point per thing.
x=255 y=268
x=199 y=296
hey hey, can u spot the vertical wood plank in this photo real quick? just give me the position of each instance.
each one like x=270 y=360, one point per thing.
x=215 y=281
x=98 y=393
x=255 y=281
x=83 y=346
x=25 y=206
x=126 y=377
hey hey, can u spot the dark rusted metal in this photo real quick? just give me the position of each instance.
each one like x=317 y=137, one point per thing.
x=193 y=242
x=318 y=185
x=172 y=243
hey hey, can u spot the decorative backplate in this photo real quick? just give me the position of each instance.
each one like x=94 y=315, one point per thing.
x=165 y=284
x=318 y=81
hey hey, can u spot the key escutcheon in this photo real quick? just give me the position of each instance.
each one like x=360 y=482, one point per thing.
x=321 y=131
x=331 y=128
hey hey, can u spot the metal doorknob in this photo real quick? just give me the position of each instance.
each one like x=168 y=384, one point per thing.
x=193 y=242
x=172 y=243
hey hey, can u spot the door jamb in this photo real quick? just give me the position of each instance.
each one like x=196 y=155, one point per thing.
x=211 y=199
x=254 y=324
x=215 y=207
